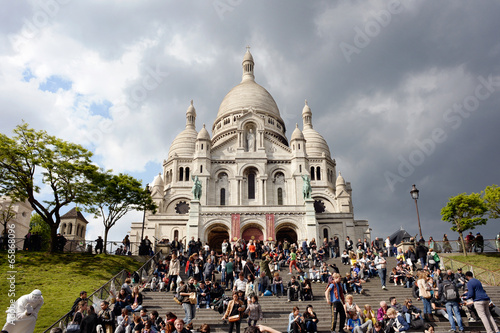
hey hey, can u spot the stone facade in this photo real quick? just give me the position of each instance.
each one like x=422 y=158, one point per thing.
x=17 y=213
x=251 y=176
x=73 y=225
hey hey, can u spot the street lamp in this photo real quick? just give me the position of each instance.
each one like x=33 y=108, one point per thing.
x=414 y=195
x=144 y=216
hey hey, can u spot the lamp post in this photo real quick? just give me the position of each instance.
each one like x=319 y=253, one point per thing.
x=144 y=217
x=414 y=195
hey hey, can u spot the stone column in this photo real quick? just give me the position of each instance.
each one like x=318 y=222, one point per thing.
x=194 y=219
x=310 y=219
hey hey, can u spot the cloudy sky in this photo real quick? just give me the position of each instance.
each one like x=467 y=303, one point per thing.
x=404 y=93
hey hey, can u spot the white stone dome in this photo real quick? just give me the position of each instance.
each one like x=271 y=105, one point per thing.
x=248 y=94
x=203 y=134
x=297 y=134
x=340 y=180
x=184 y=143
x=245 y=95
x=315 y=144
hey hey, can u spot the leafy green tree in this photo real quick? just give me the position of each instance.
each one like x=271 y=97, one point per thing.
x=464 y=211
x=491 y=196
x=32 y=159
x=114 y=196
x=40 y=227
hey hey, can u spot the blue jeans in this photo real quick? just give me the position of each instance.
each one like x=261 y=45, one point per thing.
x=311 y=326
x=452 y=308
x=357 y=289
x=382 y=273
x=190 y=311
x=275 y=288
x=422 y=262
x=427 y=305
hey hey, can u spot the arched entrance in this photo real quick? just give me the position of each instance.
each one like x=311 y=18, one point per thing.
x=252 y=233
x=216 y=236
x=287 y=233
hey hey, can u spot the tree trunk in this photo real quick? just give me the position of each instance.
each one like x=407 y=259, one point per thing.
x=461 y=236
x=53 y=237
x=106 y=230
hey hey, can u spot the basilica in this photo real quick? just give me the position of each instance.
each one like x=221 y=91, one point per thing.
x=247 y=180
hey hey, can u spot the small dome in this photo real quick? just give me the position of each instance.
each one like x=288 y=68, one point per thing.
x=248 y=56
x=340 y=180
x=158 y=181
x=306 y=109
x=203 y=134
x=184 y=144
x=191 y=110
x=297 y=134
x=315 y=144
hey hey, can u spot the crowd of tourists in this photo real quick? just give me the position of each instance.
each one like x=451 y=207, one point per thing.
x=231 y=282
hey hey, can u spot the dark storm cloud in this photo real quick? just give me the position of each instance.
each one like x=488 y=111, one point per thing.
x=377 y=107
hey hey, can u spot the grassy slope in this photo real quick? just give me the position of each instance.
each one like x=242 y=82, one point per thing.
x=60 y=277
x=489 y=261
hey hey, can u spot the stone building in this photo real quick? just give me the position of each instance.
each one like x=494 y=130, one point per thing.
x=73 y=225
x=251 y=176
x=17 y=213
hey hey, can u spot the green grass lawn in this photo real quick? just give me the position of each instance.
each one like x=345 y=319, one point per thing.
x=486 y=266
x=489 y=261
x=60 y=277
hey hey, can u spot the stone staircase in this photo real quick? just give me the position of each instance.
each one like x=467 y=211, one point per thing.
x=276 y=310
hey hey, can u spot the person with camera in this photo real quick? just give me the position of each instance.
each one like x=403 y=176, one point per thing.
x=234 y=312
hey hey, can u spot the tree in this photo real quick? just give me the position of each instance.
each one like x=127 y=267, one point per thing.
x=39 y=227
x=114 y=196
x=465 y=212
x=33 y=158
x=491 y=196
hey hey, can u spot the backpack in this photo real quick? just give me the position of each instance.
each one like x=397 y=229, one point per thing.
x=450 y=292
x=436 y=258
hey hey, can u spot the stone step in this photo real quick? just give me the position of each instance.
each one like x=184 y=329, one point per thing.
x=276 y=310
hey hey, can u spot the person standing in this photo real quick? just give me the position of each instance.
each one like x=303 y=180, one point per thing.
x=388 y=246
x=335 y=298
x=293 y=262
x=173 y=272
x=479 y=242
x=422 y=253
x=448 y=292
x=189 y=309
x=348 y=244
x=99 y=244
x=381 y=265
x=497 y=242
x=481 y=301
x=235 y=307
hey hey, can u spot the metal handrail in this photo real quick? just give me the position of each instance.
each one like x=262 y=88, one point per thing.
x=121 y=276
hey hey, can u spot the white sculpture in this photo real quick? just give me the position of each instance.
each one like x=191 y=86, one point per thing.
x=22 y=314
x=250 y=140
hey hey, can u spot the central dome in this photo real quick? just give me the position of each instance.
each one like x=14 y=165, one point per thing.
x=245 y=95
x=248 y=94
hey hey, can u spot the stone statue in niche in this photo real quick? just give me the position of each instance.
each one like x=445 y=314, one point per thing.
x=250 y=140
